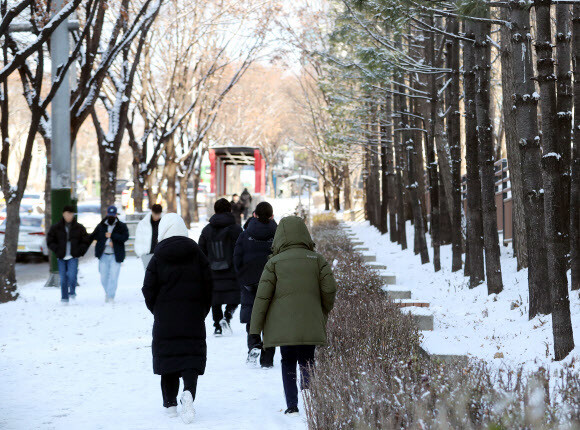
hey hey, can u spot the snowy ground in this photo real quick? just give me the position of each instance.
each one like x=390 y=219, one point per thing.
x=88 y=365
x=490 y=327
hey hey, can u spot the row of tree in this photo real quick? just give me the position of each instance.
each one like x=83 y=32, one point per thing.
x=430 y=94
x=150 y=73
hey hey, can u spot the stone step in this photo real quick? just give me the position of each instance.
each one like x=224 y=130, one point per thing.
x=377 y=266
x=356 y=242
x=389 y=279
x=360 y=248
x=368 y=258
x=437 y=346
x=422 y=317
x=397 y=294
x=407 y=303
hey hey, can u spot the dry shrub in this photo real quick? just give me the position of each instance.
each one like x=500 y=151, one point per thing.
x=372 y=374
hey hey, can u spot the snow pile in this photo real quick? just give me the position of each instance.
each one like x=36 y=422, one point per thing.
x=494 y=328
x=88 y=365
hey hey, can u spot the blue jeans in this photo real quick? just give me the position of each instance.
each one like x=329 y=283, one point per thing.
x=68 y=270
x=109 y=270
x=292 y=355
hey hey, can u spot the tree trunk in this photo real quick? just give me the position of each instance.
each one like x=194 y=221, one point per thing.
x=326 y=191
x=552 y=175
x=138 y=187
x=336 y=196
x=385 y=141
x=346 y=179
x=564 y=114
x=444 y=215
x=454 y=124
x=170 y=174
x=108 y=173
x=474 y=210
x=430 y=151
x=414 y=145
x=195 y=179
x=8 y=253
x=399 y=160
x=511 y=141
x=486 y=159
x=183 y=200
x=575 y=178
x=525 y=104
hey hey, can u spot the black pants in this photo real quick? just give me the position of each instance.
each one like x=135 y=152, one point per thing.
x=216 y=311
x=302 y=355
x=255 y=341
x=170 y=385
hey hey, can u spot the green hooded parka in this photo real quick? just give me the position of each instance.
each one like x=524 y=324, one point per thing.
x=296 y=291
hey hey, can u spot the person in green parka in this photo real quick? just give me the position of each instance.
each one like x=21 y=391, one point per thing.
x=294 y=298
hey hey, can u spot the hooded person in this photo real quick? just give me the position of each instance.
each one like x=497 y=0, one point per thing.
x=111 y=235
x=250 y=256
x=177 y=290
x=217 y=242
x=294 y=298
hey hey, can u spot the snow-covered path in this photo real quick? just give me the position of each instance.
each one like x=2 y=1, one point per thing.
x=88 y=366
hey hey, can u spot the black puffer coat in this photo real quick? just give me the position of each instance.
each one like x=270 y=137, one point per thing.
x=250 y=256
x=226 y=290
x=57 y=238
x=177 y=290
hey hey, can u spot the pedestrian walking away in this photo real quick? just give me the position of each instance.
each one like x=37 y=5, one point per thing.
x=68 y=239
x=178 y=290
x=250 y=256
x=146 y=234
x=294 y=298
x=246 y=199
x=111 y=235
x=217 y=242
x=237 y=208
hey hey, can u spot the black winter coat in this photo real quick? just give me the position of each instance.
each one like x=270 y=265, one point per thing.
x=237 y=210
x=177 y=290
x=119 y=236
x=250 y=256
x=226 y=290
x=79 y=239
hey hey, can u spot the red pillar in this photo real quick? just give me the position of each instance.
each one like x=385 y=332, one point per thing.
x=259 y=169
x=212 y=186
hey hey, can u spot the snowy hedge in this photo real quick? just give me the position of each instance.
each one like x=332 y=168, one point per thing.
x=372 y=374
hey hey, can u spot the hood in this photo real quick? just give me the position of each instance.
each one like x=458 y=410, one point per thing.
x=176 y=249
x=261 y=231
x=222 y=220
x=172 y=225
x=291 y=233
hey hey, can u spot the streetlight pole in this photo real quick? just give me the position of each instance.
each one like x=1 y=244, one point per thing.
x=60 y=178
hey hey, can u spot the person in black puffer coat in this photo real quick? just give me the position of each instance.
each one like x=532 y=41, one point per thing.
x=217 y=242
x=177 y=290
x=250 y=256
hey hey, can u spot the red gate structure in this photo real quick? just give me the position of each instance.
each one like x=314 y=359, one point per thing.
x=221 y=157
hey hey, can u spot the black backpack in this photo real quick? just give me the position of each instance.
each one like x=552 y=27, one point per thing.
x=219 y=250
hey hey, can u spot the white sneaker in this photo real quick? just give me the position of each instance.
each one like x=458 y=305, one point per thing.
x=253 y=355
x=187 y=411
x=171 y=411
x=226 y=328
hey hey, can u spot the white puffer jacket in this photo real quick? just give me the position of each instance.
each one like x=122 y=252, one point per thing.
x=143 y=236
